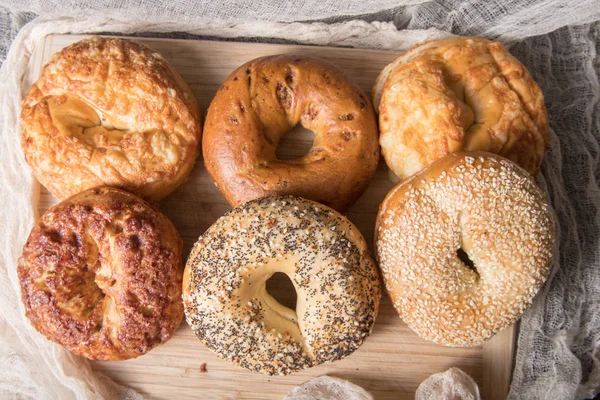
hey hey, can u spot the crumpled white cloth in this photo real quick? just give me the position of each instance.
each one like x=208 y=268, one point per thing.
x=330 y=388
x=454 y=384
x=559 y=339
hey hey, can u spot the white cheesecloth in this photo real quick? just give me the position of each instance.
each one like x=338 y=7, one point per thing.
x=559 y=337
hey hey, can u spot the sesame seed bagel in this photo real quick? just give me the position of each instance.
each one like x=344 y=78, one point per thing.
x=464 y=246
x=326 y=258
x=266 y=97
x=101 y=275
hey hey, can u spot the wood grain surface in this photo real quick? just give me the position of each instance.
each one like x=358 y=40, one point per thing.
x=391 y=363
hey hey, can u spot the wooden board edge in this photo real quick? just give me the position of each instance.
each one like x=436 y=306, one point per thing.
x=497 y=353
x=498 y=356
x=76 y=37
x=34 y=69
x=35 y=64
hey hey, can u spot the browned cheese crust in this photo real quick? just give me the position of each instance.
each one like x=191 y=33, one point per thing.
x=326 y=258
x=459 y=94
x=101 y=275
x=110 y=112
x=262 y=100
x=491 y=209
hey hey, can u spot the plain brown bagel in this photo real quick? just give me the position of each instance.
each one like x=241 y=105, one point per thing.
x=261 y=101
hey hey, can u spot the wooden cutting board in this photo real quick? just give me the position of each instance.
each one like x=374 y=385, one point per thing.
x=392 y=362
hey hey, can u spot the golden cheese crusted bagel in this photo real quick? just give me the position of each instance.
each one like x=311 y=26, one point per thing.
x=459 y=94
x=261 y=101
x=110 y=112
x=464 y=246
x=101 y=275
x=325 y=256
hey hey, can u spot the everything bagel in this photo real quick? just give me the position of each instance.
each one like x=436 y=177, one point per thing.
x=326 y=258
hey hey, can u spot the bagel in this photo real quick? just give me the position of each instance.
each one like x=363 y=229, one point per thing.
x=326 y=258
x=101 y=275
x=110 y=112
x=459 y=94
x=464 y=246
x=261 y=101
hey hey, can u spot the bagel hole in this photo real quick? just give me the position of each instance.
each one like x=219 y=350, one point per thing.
x=295 y=144
x=464 y=257
x=281 y=288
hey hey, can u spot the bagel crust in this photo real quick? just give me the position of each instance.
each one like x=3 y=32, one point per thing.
x=110 y=112
x=326 y=258
x=459 y=94
x=101 y=275
x=491 y=209
x=260 y=102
